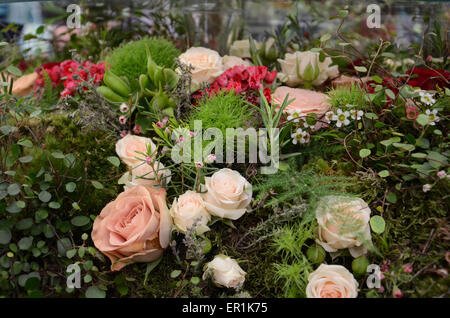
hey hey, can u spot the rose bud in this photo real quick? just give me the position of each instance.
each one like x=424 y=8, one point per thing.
x=225 y=271
x=359 y=265
x=316 y=254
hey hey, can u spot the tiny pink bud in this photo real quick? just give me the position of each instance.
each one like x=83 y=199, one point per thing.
x=381 y=289
x=159 y=124
x=397 y=293
x=191 y=133
x=429 y=57
x=199 y=164
x=123 y=133
x=441 y=174
x=149 y=160
x=211 y=158
x=137 y=129
x=181 y=139
x=123 y=120
x=408 y=268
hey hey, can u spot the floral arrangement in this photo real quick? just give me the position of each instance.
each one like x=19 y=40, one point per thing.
x=333 y=182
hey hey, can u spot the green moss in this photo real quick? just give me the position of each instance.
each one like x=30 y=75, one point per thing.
x=130 y=60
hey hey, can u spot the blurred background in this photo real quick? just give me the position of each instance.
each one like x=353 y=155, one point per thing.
x=40 y=30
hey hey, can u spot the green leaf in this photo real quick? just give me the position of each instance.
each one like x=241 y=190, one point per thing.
x=5 y=235
x=44 y=196
x=377 y=224
x=95 y=292
x=25 y=143
x=24 y=224
x=114 y=161
x=32 y=283
x=54 y=205
x=383 y=173
x=76 y=206
x=14 y=70
x=363 y=153
x=423 y=119
x=13 y=189
x=80 y=220
x=71 y=253
x=71 y=186
x=150 y=267
x=25 y=243
x=391 y=197
x=58 y=155
x=325 y=37
x=175 y=273
x=13 y=208
x=97 y=185
x=41 y=215
x=361 y=69
x=26 y=159
x=195 y=280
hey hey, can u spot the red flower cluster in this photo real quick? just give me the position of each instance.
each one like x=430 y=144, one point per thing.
x=243 y=80
x=70 y=73
x=428 y=79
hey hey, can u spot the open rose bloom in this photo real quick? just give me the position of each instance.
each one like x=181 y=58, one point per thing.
x=331 y=281
x=225 y=271
x=343 y=223
x=189 y=210
x=228 y=194
x=130 y=149
x=135 y=227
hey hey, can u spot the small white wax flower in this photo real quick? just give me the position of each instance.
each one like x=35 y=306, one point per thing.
x=341 y=118
x=426 y=187
x=432 y=116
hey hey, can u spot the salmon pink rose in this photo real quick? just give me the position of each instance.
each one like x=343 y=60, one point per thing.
x=305 y=102
x=331 y=281
x=189 y=210
x=206 y=63
x=135 y=227
x=343 y=223
x=130 y=147
x=228 y=194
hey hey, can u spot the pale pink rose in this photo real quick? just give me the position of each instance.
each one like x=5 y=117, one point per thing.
x=228 y=194
x=343 y=223
x=152 y=174
x=348 y=81
x=241 y=48
x=130 y=146
x=331 y=281
x=232 y=61
x=294 y=69
x=189 y=210
x=305 y=102
x=135 y=227
x=206 y=63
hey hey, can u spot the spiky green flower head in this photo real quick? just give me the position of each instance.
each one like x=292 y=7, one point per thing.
x=223 y=110
x=340 y=97
x=130 y=59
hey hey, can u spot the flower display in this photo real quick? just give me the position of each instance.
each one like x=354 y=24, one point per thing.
x=135 y=227
x=70 y=73
x=343 y=223
x=228 y=194
x=189 y=212
x=331 y=281
x=306 y=68
x=225 y=272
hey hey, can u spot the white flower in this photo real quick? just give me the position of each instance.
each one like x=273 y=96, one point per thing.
x=145 y=175
x=441 y=174
x=225 y=271
x=341 y=118
x=329 y=116
x=189 y=211
x=426 y=187
x=331 y=281
x=300 y=136
x=123 y=108
x=432 y=116
x=426 y=98
x=356 y=114
x=210 y=158
x=241 y=48
x=294 y=115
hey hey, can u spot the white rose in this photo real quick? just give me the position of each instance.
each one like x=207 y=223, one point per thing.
x=130 y=147
x=206 y=63
x=294 y=65
x=188 y=209
x=225 y=271
x=331 y=281
x=241 y=48
x=232 y=61
x=343 y=223
x=228 y=194
x=144 y=174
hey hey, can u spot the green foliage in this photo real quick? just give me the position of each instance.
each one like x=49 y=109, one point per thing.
x=130 y=60
x=343 y=96
x=223 y=110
